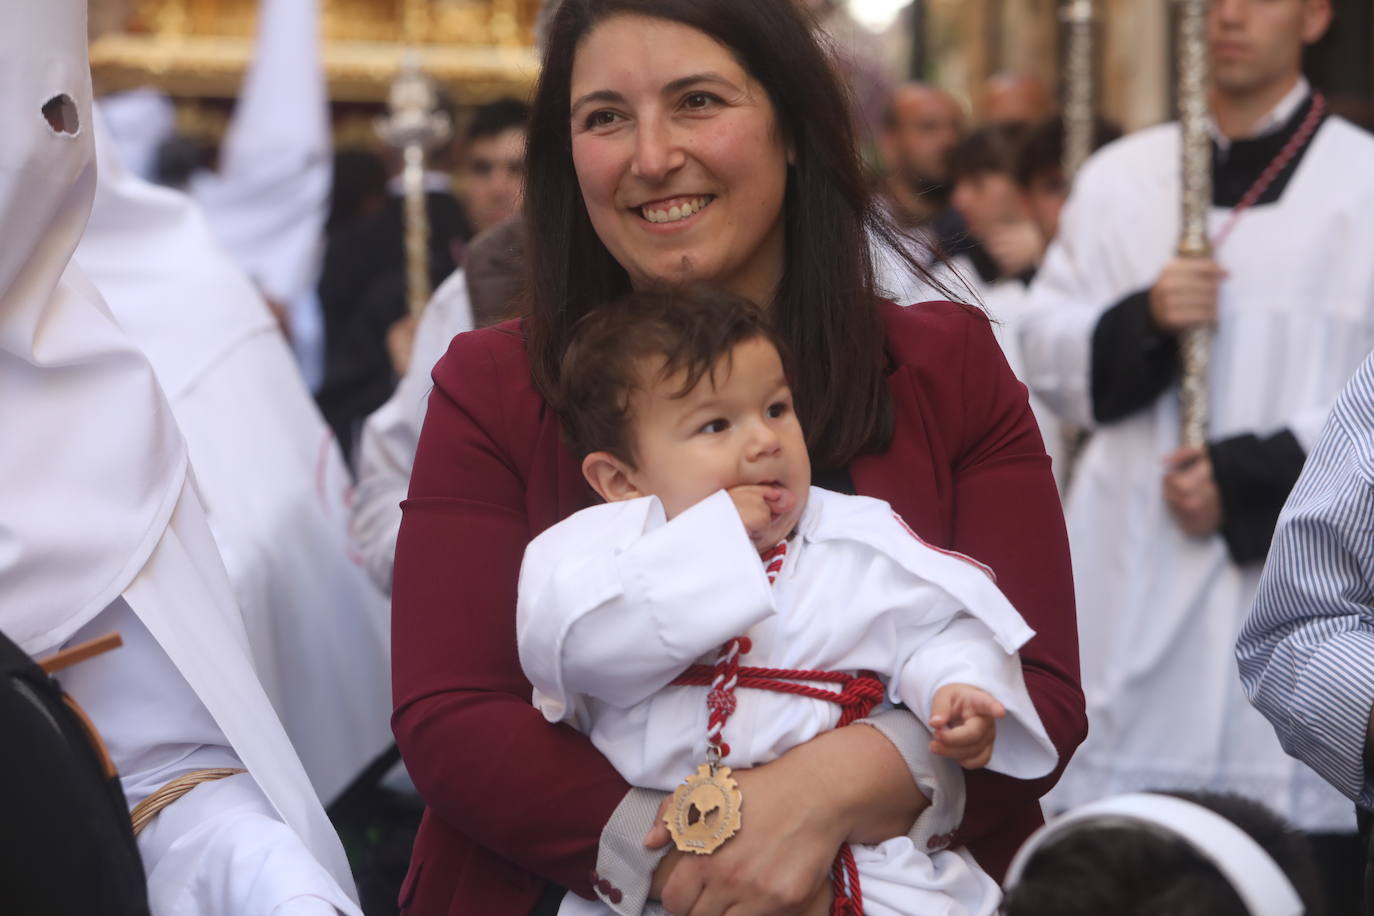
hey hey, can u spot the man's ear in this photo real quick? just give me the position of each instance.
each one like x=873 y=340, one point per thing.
x=1316 y=19
x=609 y=477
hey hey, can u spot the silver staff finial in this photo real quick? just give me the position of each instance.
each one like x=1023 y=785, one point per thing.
x=414 y=124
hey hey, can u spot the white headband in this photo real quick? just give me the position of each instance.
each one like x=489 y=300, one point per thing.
x=1257 y=879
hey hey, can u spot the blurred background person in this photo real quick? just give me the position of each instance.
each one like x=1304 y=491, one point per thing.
x=1006 y=243
x=1169 y=536
x=1014 y=98
x=359 y=190
x=1040 y=169
x=493 y=163
x=920 y=125
x=368 y=328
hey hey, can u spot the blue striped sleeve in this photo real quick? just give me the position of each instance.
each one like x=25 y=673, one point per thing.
x=1306 y=652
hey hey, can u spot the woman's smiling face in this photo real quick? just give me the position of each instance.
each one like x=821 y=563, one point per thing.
x=679 y=156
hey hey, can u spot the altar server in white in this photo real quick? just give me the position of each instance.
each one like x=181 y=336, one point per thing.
x=680 y=405
x=102 y=530
x=268 y=472
x=1168 y=542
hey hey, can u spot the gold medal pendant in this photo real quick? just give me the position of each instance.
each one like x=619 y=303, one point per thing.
x=705 y=810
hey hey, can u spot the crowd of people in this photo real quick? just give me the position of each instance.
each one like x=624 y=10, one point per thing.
x=734 y=531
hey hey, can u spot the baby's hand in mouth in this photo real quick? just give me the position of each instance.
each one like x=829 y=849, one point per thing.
x=780 y=500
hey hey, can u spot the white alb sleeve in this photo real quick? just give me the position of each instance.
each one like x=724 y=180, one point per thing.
x=614 y=605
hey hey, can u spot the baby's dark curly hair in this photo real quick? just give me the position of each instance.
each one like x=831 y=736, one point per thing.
x=690 y=329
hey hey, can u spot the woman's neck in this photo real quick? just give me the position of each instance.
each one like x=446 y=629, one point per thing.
x=759 y=279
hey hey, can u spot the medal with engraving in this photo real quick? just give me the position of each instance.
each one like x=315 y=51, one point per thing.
x=705 y=811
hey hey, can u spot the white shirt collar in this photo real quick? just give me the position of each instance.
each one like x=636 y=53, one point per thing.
x=1273 y=121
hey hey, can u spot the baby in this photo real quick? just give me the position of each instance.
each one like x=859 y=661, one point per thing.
x=713 y=547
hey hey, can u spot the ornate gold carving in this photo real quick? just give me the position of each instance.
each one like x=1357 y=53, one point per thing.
x=477 y=49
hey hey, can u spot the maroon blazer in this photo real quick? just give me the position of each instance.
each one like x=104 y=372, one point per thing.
x=515 y=802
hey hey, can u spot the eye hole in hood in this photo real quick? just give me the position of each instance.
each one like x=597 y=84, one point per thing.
x=62 y=115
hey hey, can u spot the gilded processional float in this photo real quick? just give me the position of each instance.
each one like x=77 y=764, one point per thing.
x=478 y=50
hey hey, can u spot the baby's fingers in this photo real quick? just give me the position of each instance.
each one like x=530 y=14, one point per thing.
x=983 y=704
x=970 y=757
x=969 y=733
x=941 y=709
x=976 y=761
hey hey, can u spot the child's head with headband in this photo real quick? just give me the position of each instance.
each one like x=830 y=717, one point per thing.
x=1177 y=854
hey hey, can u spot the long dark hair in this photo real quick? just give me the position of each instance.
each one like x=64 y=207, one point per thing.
x=825 y=307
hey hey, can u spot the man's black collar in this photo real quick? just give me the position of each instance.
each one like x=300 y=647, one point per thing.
x=1237 y=170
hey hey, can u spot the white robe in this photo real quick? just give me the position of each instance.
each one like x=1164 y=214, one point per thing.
x=270 y=475
x=615 y=602
x=98 y=517
x=1158 y=610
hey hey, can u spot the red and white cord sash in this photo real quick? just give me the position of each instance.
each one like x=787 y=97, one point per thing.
x=857 y=696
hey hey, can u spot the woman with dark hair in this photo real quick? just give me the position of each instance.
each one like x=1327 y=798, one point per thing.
x=703 y=140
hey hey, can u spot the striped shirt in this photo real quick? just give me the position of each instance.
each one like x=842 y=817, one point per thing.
x=1306 y=652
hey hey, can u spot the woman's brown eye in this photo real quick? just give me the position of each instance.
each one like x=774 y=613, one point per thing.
x=600 y=118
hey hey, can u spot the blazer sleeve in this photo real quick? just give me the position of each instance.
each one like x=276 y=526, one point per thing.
x=1007 y=514
x=484 y=759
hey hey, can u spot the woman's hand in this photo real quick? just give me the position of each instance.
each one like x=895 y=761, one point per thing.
x=777 y=865
x=848 y=784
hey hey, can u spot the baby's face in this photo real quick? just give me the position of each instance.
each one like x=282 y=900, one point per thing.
x=736 y=428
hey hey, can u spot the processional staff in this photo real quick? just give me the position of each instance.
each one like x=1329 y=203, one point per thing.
x=1078 y=85
x=1079 y=129
x=1195 y=344
x=414 y=125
